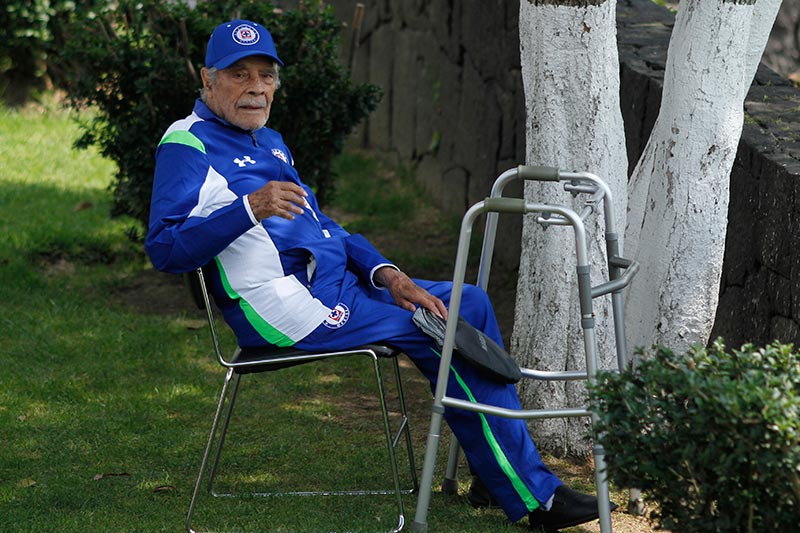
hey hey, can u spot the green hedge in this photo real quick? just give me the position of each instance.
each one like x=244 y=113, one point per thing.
x=138 y=62
x=712 y=436
x=35 y=32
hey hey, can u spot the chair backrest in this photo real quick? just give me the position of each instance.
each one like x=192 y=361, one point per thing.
x=196 y=285
x=193 y=284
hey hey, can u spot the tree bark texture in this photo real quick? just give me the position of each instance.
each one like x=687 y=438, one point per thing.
x=570 y=70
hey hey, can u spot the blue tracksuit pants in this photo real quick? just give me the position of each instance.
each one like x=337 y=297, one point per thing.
x=499 y=450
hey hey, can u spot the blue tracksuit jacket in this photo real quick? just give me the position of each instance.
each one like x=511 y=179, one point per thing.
x=308 y=283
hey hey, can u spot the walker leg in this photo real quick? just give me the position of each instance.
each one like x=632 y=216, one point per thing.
x=450 y=483
x=635 y=502
x=420 y=524
x=603 y=496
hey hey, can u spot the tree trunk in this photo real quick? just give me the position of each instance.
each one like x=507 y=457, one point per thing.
x=678 y=201
x=764 y=14
x=570 y=70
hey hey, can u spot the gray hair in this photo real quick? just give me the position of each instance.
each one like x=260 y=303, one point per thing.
x=213 y=72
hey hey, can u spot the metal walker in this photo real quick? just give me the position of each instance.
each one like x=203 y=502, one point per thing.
x=620 y=273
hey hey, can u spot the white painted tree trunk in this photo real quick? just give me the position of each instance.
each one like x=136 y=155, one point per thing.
x=764 y=14
x=678 y=201
x=570 y=70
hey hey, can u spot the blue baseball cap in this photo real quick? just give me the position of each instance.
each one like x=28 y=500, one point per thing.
x=237 y=39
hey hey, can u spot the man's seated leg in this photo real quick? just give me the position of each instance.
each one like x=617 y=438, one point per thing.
x=499 y=449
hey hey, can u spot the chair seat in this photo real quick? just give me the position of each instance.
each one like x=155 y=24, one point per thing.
x=251 y=360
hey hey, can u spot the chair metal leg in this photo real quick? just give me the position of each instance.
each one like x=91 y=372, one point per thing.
x=222 y=418
x=390 y=445
x=405 y=427
x=222 y=434
x=209 y=445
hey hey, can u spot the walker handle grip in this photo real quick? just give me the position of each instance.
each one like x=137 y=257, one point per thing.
x=505 y=205
x=537 y=173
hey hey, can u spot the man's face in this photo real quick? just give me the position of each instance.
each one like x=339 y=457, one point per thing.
x=242 y=93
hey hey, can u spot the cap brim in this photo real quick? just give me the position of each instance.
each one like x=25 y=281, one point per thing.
x=229 y=60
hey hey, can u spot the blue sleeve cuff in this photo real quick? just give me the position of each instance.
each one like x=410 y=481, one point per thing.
x=249 y=209
x=375 y=269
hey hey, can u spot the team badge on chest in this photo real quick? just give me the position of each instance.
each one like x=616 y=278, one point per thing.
x=338 y=316
x=277 y=152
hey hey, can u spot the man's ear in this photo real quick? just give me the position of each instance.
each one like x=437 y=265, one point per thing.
x=204 y=76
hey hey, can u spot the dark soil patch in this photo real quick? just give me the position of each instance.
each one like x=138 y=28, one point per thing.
x=154 y=292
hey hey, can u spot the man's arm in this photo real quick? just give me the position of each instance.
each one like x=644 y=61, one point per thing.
x=189 y=227
x=190 y=222
x=372 y=266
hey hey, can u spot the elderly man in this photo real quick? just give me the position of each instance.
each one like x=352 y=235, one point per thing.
x=227 y=196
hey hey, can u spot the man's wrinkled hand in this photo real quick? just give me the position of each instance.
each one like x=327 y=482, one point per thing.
x=278 y=199
x=408 y=294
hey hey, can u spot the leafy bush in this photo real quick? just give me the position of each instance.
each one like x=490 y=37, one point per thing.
x=33 y=35
x=713 y=437
x=138 y=62
x=26 y=34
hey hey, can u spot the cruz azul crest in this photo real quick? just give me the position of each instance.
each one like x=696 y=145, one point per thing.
x=245 y=34
x=277 y=152
x=338 y=316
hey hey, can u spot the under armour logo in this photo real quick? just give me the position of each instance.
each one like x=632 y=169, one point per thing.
x=241 y=162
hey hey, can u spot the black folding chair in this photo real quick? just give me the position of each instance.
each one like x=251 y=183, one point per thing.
x=251 y=361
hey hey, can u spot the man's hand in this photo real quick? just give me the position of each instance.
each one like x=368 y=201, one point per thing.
x=278 y=198
x=408 y=294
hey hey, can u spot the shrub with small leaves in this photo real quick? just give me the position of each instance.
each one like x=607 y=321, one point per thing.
x=31 y=36
x=712 y=436
x=138 y=62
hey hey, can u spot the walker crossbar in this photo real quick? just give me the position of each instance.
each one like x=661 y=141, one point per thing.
x=513 y=413
x=620 y=272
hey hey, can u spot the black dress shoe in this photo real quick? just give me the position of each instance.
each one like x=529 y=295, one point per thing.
x=479 y=496
x=569 y=508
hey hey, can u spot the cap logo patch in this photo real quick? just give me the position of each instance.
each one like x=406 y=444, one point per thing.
x=338 y=317
x=245 y=34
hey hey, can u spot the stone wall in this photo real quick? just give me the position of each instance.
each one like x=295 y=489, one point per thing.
x=453 y=102
x=454 y=106
x=760 y=293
